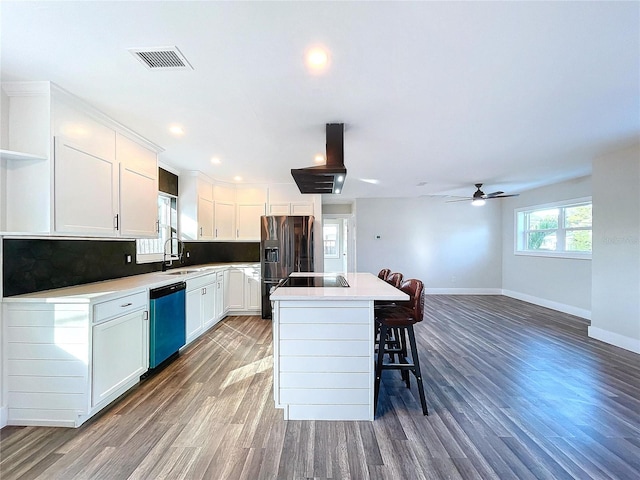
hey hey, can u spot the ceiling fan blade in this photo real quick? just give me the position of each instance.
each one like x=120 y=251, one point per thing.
x=494 y=194
x=459 y=200
x=504 y=196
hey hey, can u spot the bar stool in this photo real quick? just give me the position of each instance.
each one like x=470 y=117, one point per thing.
x=393 y=344
x=384 y=273
x=394 y=279
x=401 y=318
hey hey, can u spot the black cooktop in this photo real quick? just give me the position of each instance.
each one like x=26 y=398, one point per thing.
x=337 y=281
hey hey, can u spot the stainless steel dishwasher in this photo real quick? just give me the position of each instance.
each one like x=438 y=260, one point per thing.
x=167 y=329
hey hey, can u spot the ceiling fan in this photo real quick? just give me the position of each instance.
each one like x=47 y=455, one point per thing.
x=479 y=196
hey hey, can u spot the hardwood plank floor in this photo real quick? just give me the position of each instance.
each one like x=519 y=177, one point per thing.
x=514 y=391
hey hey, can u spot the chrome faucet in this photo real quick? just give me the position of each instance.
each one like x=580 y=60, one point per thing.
x=164 y=252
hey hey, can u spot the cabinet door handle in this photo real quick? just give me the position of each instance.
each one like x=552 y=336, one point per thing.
x=237 y=233
x=216 y=233
x=116 y=221
x=126 y=305
x=200 y=231
x=145 y=315
x=204 y=291
x=157 y=226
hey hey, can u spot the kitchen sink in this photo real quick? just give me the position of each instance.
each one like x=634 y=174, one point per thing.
x=181 y=272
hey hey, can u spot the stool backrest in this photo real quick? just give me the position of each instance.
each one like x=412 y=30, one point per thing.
x=394 y=279
x=384 y=273
x=414 y=288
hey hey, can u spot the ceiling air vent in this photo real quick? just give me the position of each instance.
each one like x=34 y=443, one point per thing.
x=161 y=58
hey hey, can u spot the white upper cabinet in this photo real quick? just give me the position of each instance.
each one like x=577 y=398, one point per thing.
x=248 y=222
x=224 y=220
x=286 y=199
x=86 y=195
x=91 y=175
x=251 y=206
x=138 y=168
x=195 y=206
x=224 y=216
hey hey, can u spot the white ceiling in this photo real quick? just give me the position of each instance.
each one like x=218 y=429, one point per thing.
x=511 y=94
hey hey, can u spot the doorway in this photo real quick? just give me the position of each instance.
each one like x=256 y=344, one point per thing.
x=338 y=244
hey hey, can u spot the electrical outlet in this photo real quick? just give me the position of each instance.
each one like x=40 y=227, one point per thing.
x=128 y=258
x=188 y=254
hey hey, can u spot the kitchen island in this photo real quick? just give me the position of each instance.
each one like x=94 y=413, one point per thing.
x=323 y=348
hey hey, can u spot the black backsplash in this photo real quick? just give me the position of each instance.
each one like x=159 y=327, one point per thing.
x=33 y=265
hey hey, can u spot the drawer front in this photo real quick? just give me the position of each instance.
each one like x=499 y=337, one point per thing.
x=198 y=282
x=120 y=306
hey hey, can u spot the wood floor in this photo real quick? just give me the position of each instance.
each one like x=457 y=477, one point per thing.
x=515 y=391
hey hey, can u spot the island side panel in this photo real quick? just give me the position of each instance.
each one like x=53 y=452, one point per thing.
x=323 y=359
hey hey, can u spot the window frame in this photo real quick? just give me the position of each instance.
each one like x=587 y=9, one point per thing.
x=520 y=233
x=159 y=256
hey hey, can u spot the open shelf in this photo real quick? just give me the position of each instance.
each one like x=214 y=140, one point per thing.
x=11 y=155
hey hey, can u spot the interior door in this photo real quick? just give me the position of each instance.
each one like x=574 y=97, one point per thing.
x=338 y=241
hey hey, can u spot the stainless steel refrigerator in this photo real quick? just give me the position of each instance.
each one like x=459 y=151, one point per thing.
x=286 y=246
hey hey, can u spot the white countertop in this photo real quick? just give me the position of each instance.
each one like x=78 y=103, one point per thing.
x=362 y=286
x=90 y=292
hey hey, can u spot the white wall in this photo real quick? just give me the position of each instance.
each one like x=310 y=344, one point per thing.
x=451 y=247
x=616 y=249
x=560 y=283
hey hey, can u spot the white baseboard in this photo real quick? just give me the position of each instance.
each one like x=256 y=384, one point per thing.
x=462 y=291
x=3 y=417
x=560 y=307
x=615 y=339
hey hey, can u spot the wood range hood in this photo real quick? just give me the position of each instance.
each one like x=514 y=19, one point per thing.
x=327 y=178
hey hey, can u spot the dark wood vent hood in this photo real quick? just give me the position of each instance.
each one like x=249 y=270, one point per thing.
x=327 y=178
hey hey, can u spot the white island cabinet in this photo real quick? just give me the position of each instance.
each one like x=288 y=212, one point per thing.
x=323 y=342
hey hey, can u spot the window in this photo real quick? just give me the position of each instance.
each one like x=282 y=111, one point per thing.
x=330 y=239
x=561 y=230
x=153 y=249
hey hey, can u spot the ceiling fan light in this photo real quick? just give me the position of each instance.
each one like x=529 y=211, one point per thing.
x=477 y=202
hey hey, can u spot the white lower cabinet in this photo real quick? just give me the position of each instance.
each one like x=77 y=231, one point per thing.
x=219 y=307
x=120 y=354
x=252 y=288
x=244 y=289
x=235 y=297
x=200 y=305
x=66 y=360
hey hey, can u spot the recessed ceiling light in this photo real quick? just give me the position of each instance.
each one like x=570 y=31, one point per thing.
x=319 y=158
x=216 y=160
x=340 y=178
x=317 y=58
x=176 y=130
x=237 y=178
x=337 y=190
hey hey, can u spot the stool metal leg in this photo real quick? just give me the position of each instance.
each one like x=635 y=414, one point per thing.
x=416 y=370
